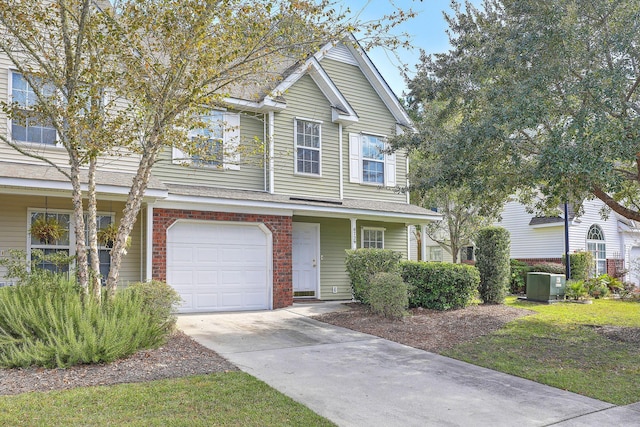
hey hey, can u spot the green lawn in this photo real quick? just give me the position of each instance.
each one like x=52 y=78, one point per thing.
x=558 y=346
x=225 y=399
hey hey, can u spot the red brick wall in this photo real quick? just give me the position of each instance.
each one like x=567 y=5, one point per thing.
x=280 y=227
x=615 y=267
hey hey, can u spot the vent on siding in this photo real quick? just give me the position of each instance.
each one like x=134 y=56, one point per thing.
x=303 y=199
x=341 y=53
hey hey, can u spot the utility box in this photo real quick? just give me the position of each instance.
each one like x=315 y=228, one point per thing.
x=545 y=287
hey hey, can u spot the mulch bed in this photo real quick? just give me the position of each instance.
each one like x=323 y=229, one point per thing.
x=179 y=357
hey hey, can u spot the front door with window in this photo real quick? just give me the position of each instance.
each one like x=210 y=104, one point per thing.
x=306 y=257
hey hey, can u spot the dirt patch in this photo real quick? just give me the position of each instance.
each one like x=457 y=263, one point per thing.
x=620 y=333
x=179 y=357
x=429 y=330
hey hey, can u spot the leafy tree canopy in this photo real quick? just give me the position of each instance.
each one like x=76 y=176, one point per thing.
x=535 y=97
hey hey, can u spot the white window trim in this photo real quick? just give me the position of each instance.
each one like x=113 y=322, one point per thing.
x=72 y=229
x=295 y=148
x=356 y=160
x=363 y=229
x=596 y=243
x=230 y=142
x=57 y=145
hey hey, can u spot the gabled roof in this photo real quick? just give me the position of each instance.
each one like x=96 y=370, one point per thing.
x=374 y=77
x=271 y=99
x=553 y=220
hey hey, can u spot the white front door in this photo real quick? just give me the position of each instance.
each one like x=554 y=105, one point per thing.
x=306 y=259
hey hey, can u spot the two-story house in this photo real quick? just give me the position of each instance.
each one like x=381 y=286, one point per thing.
x=301 y=175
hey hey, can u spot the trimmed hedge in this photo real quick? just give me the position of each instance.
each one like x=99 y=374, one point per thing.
x=548 y=267
x=581 y=265
x=363 y=264
x=440 y=285
x=492 y=261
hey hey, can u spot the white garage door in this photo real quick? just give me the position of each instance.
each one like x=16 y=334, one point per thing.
x=219 y=266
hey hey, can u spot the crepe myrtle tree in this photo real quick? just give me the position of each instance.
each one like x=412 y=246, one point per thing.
x=544 y=101
x=61 y=52
x=163 y=64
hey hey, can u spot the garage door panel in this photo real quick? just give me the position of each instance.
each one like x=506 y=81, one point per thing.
x=207 y=301
x=219 y=266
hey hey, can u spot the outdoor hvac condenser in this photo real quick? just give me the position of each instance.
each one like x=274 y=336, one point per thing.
x=545 y=286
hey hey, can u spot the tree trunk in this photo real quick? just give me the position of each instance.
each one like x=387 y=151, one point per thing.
x=78 y=215
x=94 y=276
x=129 y=217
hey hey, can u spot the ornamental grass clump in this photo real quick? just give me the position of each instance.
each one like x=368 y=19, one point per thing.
x=48 y=323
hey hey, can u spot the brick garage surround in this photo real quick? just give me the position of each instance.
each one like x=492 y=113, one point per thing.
x=280 y=227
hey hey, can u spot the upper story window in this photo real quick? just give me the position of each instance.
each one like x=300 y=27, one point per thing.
x=372 y=159
x=307 y=154
x=208 y=140
x=598 y=248
x=372 y=238
x=28 y=128
x=215 y=144
x=369 y=161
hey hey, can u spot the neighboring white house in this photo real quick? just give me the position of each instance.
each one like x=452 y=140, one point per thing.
x=614 y=241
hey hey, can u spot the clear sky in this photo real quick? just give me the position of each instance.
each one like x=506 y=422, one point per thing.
x=427 y=31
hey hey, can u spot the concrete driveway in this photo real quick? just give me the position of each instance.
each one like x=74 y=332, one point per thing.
x=355 y=379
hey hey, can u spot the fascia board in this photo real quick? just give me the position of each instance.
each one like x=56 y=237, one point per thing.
x=179 y=202
x=35 y=184
x=267 y=104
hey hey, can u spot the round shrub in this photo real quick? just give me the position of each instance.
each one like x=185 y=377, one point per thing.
x=363 y=264
x=492 y=261
x=388 y=295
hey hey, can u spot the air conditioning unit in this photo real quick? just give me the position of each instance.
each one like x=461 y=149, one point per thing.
x=545 y=287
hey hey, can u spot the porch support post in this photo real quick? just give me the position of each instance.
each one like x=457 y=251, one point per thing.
x=423 y=241
x=149 y=243
x=354 y=234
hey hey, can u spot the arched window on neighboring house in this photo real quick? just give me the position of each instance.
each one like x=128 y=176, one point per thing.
x=598 y=248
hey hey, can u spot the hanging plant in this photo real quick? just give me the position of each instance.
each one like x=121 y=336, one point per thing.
x=47 y=230
x=107 y=236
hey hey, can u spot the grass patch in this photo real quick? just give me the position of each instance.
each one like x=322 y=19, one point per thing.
x=224 y=399
x=559 y=346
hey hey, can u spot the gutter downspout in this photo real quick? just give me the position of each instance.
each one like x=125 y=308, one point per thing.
x=271 y=153
x=341 y=164
x=149 y=245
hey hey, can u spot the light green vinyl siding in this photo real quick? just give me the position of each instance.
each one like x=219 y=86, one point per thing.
x=14 y=229
x=127 y=162
x=395 y=235
x=250 y=176
x=306 y=101
x=373 y=117
x=335 y=239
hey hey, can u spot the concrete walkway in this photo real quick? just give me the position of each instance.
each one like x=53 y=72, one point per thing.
x=355 y=379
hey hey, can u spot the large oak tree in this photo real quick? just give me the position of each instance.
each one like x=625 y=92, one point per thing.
x=545 y=100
